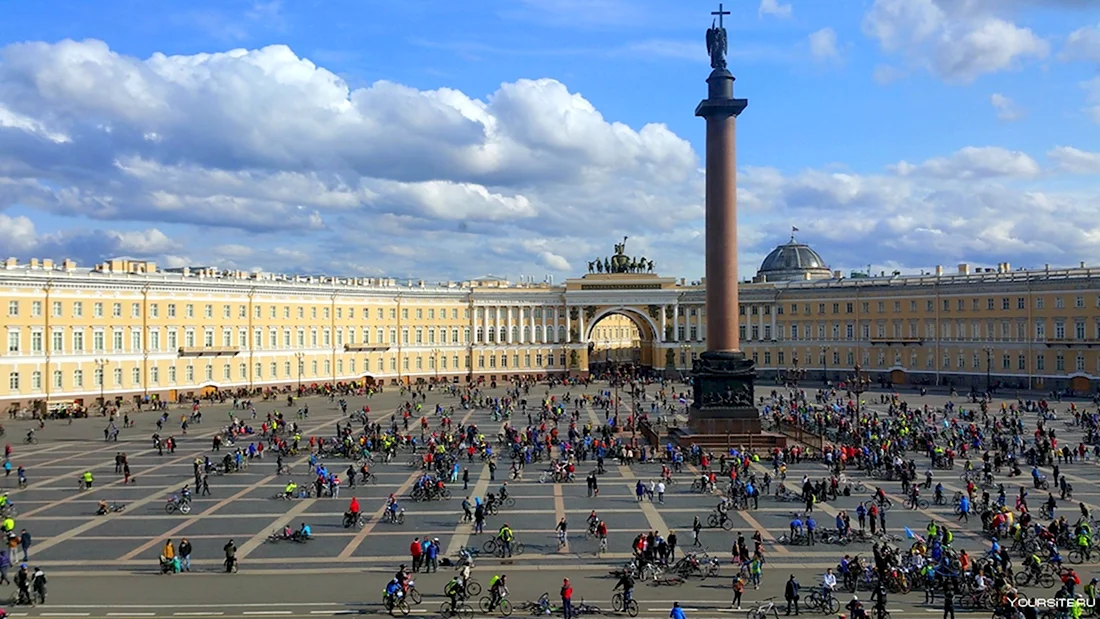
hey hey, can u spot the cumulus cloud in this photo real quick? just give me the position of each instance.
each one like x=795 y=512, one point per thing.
x=823 y=45
x=1005 y=108
x=261 y=159
x=266 y=142
x=1083 y=44
x=774 y=8
x=957 y=41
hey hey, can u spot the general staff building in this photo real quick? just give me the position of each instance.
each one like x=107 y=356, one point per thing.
x=125 y=329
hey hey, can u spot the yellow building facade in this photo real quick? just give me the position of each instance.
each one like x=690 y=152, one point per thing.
x=124 y=329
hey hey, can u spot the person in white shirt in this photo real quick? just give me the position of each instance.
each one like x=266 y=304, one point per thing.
x=661 y=491
x=828 y=583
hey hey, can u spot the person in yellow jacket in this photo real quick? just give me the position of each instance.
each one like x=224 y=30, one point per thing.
x=87 y=479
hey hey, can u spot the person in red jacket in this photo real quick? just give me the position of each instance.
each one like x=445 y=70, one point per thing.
x=415 y=550
x=567 y=599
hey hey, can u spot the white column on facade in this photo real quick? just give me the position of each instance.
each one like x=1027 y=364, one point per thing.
x=698 y=323
x=545 y=336
x=568 y=325
x=664 y=324
x=580 y=326
x=508 y=324
x=484 y=325
x=676 y=322
x=775 y=334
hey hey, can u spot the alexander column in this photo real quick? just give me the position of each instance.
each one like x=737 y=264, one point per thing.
x=723 y=376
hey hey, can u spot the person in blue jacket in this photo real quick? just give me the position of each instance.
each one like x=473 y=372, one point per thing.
x=677 y=612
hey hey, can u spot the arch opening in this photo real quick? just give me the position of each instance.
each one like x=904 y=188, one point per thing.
x=620 y=339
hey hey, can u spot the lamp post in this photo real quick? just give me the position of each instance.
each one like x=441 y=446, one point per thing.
x=825 y=361
x=300 y=356
x=685 y=350
x=988 y=368
x=860 y=384
x=435 y=362
x=100 y=364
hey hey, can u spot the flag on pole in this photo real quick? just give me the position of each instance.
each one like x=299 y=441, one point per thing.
x=793 y=229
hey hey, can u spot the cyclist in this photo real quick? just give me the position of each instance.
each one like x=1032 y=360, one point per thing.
x=304 y=532
x=626 y=581
x=938 y=495
x=103 y=508
x=828 y=583
x=1090 y=590
x=796 y=526
x=562 y=530
x=855 y=609
x=593 y=520
x=601 y=532
x=506 y=538
x=455 y=590
x=352 y=517
x=503 y=493
x=290 y=489
x=498 y=590
x=185 y=494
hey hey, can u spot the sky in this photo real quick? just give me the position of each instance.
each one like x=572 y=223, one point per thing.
x=523 y=138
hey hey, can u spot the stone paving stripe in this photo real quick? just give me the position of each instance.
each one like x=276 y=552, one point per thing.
x=132 y=505
x=198 y=614
x=267 y=612
x=461 y=535
x=131 y=614
x=254 y=542
x=559 y=513
x=652 y=516
x=377 y=516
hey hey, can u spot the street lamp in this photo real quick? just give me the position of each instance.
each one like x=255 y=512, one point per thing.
x=860 y=384
x=300 y=356
x=100 y=364
x=685 y=350
x=825 y=360
x=988 y=368
x=435 y=362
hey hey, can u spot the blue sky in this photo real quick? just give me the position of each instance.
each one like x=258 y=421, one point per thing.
x=447 y=140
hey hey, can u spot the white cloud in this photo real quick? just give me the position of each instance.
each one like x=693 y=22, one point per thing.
x=1074 y=160
x=259 y=158
x=1083 y=44
x=823 y=45
x=1006 y=108
x=886 y=74
x=957 y=41
x=972 y=163
x=1092 y=98
x=774 y=8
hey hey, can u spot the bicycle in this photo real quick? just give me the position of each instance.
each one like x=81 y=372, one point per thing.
x=393 y=603
x=768 y=609
x=919 y=503
x=388 y=516
x=30 y=440
x=716 y=520
x=621 y=605
x=503 y=606
x=586 y=609
x=1077 y=556
x=825 y=603
x=563 y=541
x=463 y=610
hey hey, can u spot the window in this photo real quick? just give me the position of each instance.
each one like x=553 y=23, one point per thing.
x=36 y=342
x=189 y=311
x=1079 y=302
x=225 y=314
x=97 y=310
x=78 y=309
x=154 y=310
x=135 y=310
x=208 y=311
x=56 y=309
x=171 y=310
x=13 y=310
x=13 y=381
x=117 y=374
x=58 y=379
x=172 y=374
x=135 y=376
x=57 y=341
x=78 y=341
x=13 y=341
x=36 y=308
x=1038 y=302
x=1020 y=303
x=154 y=375
x=97 y=377
x=1059 y=362
x=1058 y=303
x=1004 y=303
x=78 y=378
x=116 y=310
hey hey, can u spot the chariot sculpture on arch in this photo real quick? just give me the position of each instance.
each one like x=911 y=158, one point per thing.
x=620 y=262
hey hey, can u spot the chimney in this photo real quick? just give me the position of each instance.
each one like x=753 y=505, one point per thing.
x=836 y=275
x=68 y=265
x=939 y=271
x=34 y=263
x=964 y=269
x=683 y=281
x=1082 y=264
x=47 y=264
x=1046 y=267
x=11 y=263
x=1008 y=267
